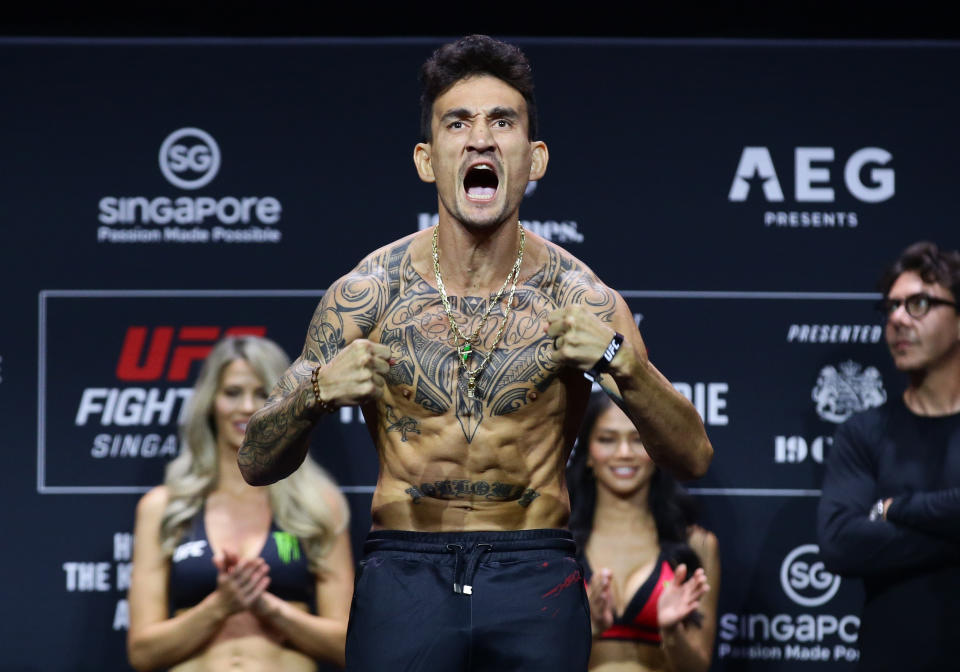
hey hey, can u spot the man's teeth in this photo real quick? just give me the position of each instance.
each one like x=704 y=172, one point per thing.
x=485 y=193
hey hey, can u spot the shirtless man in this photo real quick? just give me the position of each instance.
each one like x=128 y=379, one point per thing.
x=466 y=347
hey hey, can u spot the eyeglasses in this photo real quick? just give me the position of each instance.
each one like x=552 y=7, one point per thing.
x=917 y=305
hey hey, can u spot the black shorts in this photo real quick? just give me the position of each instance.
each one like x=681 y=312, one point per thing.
x=478 y=601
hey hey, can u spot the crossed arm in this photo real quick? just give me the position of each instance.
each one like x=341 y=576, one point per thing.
x=853 y=544
x=936 y=513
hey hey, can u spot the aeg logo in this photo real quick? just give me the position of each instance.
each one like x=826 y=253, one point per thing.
x=189 y=158
x=810 y=181
x=193 y=344
x=807 y=582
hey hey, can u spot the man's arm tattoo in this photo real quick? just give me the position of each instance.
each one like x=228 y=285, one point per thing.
x=277 y=436
x=283 y=421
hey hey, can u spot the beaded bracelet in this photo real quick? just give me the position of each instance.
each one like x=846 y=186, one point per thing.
x=325 y=406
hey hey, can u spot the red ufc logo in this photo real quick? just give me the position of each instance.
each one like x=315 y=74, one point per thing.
x=192 y=344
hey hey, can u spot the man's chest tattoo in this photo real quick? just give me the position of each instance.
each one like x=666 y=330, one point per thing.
x=404 y=425
x=417 y=330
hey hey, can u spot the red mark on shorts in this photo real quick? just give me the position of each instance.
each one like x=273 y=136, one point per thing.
x=571 y=579
x=546 y=564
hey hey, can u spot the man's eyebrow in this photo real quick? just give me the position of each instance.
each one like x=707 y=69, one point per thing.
x=499 y=112
x=457 y=113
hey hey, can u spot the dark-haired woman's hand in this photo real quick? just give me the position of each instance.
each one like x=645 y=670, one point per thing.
x=600 y=595
x=681 y=596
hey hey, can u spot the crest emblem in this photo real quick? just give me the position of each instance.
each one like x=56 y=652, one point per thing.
x=840 y=394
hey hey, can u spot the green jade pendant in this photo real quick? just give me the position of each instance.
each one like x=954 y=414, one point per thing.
x=465 y=352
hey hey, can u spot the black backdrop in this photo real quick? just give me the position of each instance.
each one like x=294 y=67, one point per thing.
x=742 y=195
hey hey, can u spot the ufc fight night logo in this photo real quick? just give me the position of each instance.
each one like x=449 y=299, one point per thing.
x=189 y=158
x=164 y=353
x=147 y=354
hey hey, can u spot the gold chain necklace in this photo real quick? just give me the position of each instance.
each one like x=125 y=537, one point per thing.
x=465 y=344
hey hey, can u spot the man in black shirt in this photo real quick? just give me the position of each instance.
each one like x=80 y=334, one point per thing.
x=890 y=509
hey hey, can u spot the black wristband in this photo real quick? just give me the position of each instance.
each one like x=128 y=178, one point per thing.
x=604 y=362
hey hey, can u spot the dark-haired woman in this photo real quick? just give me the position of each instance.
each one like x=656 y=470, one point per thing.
x=653 y=575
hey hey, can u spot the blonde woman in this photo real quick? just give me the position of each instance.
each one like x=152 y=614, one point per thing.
x=225 y=574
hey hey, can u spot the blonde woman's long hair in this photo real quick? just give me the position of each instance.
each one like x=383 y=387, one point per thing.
x=307 y=503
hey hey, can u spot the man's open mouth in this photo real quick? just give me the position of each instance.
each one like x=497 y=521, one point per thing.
x=481 y=182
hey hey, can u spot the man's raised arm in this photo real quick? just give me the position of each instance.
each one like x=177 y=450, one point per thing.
x=351 y=371
x=669 y=426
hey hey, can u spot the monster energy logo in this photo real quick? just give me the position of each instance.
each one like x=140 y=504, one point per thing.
x=288 y=547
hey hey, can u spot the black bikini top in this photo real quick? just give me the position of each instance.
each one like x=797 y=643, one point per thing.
x=193 y=575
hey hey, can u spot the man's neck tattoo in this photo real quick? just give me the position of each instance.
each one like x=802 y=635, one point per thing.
x=465 y=344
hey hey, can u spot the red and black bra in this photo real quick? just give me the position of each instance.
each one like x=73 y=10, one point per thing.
x=638 y=622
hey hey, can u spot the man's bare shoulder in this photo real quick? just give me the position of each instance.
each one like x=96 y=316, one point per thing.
x=381 y=265
x=568 y=279
x=354 y=304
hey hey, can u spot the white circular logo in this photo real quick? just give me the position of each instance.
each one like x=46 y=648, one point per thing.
x=806 y=581
x=189 y=158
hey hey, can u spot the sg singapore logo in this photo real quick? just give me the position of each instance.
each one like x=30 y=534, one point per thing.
x=805 y=580
x=189 y=158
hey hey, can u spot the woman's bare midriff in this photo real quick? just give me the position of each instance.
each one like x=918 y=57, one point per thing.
x=243 y=644
x=615 y=655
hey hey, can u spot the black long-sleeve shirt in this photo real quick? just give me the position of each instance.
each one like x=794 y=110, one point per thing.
x=910 y=563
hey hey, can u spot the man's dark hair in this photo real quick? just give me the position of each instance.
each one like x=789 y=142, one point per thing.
x=935 y=266
x=475 y=55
